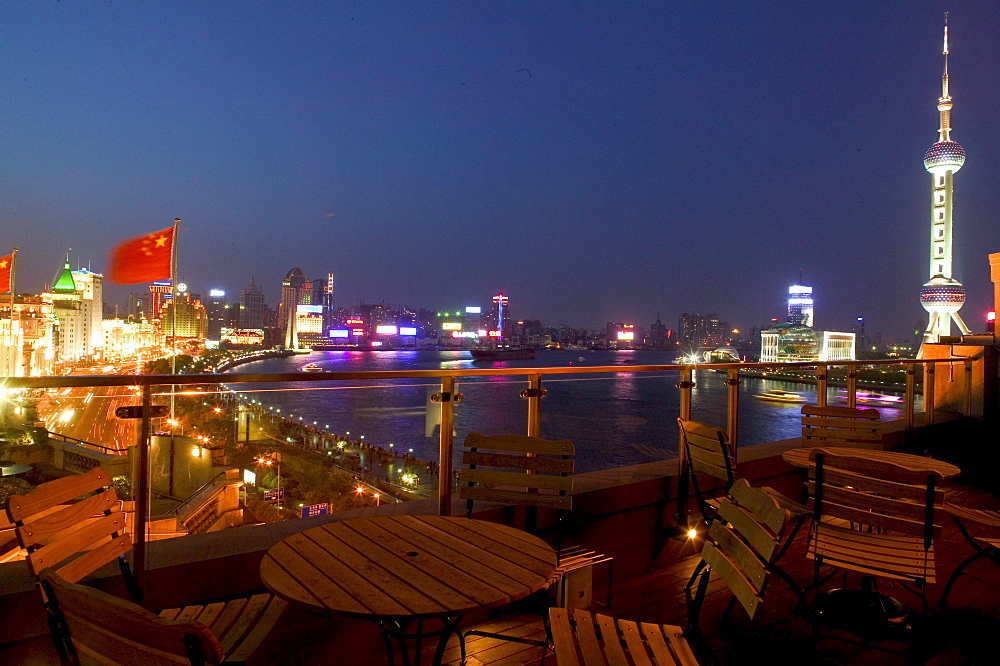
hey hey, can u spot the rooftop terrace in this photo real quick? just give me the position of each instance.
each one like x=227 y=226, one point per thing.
x=627 y=513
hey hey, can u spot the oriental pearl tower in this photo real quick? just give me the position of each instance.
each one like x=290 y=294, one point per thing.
x=942 y=296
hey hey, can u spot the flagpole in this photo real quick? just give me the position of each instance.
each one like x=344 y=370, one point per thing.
x=13 y=290
x=173 y=348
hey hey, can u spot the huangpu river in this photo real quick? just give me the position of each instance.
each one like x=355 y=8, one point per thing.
x=613 y=419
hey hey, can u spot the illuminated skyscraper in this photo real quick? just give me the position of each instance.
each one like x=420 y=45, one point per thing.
x=800 y=304
x=942 y=296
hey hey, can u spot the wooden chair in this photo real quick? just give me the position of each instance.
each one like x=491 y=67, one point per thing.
x=603 y=640
x=740 y=549
x=74 y=540
x=874 y=518
x=107 y=630
x=858 y=428
x=708 y=452
x=530 y=472
x=985 y=544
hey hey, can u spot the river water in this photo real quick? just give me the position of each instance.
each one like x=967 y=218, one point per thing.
x=614 y=420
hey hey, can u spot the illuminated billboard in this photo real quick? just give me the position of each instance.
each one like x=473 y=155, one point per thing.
x=357 y=331
x=338 y=333
x=309 y=309
x=451 y=326
x=494 y=334
x=626 y=335
x=407 y=330
x=355 y=321
x=473 y=309
x=385 y=329
x=217 y=293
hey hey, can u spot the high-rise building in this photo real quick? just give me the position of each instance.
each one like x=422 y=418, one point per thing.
x=68 y=338
x=217 y=310
x=942 y=296
x=252 y=307
x=91 y=310
x=800 y=305
x=858 y=329
x=500 y=316
x=702 y=330
x=159 y=293
x=184 y=319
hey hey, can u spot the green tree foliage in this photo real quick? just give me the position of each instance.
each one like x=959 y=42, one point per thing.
x=12 y=486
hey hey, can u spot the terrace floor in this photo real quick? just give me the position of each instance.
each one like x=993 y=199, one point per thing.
x=964 y=633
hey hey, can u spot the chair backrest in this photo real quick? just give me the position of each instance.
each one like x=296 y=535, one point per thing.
x=741 y=549
x=601 y=640
x=878 y=496
x=104 y=629
x=516 y=469
x=842 y=426
x=707 y=450
x=54 y=533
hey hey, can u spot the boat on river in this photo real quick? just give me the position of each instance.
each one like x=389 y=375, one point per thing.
x=502 y=353
x=780 y=395
x=312 y=367
x=873 y=399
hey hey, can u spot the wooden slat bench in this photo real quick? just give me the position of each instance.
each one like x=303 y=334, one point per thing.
x=841 y=426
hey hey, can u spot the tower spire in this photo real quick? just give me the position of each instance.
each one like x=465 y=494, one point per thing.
x=944 y=102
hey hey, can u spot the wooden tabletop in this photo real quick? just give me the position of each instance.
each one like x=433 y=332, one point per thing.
x=407 y=566
x=800 y=458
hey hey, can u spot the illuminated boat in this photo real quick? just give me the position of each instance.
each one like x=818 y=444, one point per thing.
x=873 y=399
x=312 y=367
x=779 y=395
x=502 y=353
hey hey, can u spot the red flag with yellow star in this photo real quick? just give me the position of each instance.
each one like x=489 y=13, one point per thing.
x=6 y=263
x=143 y=259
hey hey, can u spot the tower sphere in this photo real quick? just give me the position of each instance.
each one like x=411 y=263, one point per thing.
x=941 y=294
x=944 y=156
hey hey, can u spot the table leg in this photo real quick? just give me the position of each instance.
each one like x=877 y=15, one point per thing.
x=396 y=632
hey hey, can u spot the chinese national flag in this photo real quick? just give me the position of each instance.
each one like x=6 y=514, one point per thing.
x=143 y=259
x=5 y=266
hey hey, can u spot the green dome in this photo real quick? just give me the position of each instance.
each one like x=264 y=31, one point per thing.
x=65 y=283
x=797 y=342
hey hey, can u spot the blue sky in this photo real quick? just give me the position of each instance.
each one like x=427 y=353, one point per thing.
x=595 y=161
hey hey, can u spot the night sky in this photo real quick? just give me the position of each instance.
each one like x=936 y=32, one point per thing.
x=595 y=161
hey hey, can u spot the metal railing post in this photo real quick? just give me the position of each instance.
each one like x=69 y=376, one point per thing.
x=684 y=385
x=929 y=369
x=447 y=403
x=911 y=394
x=732 y=409
x=967 y=400
x=534 y=397
x=142 y=490
x=822 y=373
x=852 y=385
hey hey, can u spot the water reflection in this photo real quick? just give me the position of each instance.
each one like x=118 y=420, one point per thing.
x=614 y=420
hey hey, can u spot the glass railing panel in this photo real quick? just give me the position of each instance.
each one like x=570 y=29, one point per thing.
x=615 y=419
x=47 y=434
x=340 y=445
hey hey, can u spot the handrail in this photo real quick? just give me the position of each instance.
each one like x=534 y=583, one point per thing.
x=74 y=440
x=176 y=511
x=320 y=377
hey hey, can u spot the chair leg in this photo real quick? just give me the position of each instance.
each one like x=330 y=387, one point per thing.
x=694 y=604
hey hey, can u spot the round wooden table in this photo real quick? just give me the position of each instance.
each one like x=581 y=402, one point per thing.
x=800 y=458
x=397 y=570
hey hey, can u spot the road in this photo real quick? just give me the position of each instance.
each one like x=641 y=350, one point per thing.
x=89 y=414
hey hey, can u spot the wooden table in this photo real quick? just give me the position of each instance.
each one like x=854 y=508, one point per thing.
x=800 y=458
x=397 y=570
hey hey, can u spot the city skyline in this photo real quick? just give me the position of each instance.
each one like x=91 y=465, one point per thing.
x=600 y=163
